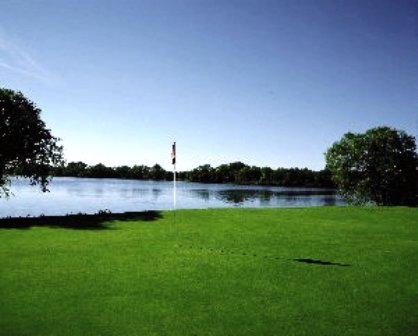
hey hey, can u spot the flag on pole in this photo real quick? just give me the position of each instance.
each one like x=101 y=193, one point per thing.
x=173 y=154
x=173 y=161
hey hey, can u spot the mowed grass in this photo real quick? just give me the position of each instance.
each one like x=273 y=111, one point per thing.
x=216 y=272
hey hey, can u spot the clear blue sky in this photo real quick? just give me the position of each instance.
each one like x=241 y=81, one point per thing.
x=269 y=83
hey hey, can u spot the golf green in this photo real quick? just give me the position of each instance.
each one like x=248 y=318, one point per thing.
x=303 y=271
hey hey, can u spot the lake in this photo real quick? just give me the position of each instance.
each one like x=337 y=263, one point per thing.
x=69 y=195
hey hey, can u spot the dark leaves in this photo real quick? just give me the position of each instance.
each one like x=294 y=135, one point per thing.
x=378 y=166
x=27 y=147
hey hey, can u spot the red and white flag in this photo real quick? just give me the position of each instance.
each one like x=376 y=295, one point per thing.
x=173 y=154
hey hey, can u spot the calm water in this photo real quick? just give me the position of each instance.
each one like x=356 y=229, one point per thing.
x=74 y=195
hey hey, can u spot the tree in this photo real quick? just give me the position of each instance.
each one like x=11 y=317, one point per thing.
x=248 y=175
x=76 y=169
x=203 y=173
x=157 y=172
x=27 y=147
x=140 y=172
x=100 y=171
x=123 y=172
x=378 y=166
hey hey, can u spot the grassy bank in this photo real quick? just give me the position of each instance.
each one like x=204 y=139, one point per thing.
x=311 y=271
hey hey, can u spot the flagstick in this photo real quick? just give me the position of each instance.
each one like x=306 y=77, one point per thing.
x=173 y=157
x=174 y=189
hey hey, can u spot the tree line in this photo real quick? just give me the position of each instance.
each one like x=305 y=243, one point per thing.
x=138 y=172
x=235 y=172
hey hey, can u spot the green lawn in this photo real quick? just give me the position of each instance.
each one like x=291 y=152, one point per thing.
x=216 y=272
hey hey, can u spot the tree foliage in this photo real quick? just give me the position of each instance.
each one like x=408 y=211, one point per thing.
x=138 y=172
x=378 y=166
x=235 y=172
x=240 y=173
x=27 y=147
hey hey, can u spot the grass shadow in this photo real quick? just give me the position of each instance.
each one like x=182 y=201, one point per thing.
x=320 y=262
x=77 y=222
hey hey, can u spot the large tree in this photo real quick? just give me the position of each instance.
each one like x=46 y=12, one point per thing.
x=378 y=166
x=27 y=147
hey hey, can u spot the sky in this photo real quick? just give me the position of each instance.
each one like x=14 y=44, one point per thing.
x=268 y=83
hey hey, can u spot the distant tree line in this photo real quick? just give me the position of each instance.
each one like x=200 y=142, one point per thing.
x=235 y=172
x=240 y=173
x=138 y=172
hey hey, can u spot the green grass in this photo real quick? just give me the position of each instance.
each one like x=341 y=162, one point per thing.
x=216 y=272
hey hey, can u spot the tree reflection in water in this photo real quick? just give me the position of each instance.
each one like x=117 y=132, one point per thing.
x=267 y=197
x=203 y=194
x=236 y=197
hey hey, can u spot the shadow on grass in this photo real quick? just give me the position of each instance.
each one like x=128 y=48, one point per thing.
x=320 y=262
x=77 y=222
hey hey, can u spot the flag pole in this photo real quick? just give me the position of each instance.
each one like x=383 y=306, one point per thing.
x=173 y=156
x=174 y=196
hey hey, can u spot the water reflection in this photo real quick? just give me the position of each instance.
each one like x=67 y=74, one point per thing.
x=99 y=191
x=75 y=195
x=266 y=197
x=236 y=197
x=330 y=201
x=201 y=194
x=156 y=193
